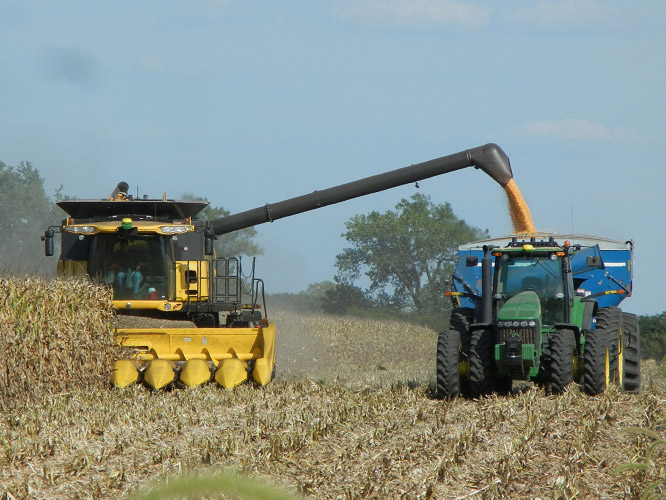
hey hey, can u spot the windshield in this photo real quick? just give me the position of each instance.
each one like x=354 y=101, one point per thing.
x=537 y=273
x=136 y=267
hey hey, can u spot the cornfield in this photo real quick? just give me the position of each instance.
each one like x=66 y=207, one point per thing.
x=350 y=416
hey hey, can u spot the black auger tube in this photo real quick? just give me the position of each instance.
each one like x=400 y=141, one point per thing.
x=490 y=158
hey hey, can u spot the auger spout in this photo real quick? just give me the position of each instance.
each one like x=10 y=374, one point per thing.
x=490 y=158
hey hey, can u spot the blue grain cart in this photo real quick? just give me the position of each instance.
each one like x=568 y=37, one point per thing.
x=542 y=308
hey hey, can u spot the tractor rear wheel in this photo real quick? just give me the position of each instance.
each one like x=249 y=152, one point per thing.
x=453 y=349
x=631 y=353
x=481 y=363
x=562 y=352
x=595 y=362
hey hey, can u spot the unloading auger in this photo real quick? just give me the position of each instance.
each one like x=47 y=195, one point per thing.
x=159 y=259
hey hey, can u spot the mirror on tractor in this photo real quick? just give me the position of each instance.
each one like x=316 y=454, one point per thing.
x=49 y=248
x=209 y=242
x=472 y=261
x=594 y=261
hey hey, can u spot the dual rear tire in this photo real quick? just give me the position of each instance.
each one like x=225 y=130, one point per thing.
x=612 y=353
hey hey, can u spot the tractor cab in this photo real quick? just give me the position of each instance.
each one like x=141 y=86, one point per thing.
x=532 y=282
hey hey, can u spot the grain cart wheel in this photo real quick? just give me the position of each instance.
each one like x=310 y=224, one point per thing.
x=609 y=319
x=631 y=352
x=595 y=362
x=562 y=353
x=481 y=369
x=453 y=355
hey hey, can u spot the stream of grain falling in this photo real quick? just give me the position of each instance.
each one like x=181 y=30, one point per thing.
x=520 y=212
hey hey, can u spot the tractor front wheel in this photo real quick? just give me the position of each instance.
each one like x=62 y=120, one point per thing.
x=481 y=363
x=448 y=373
x=596 y=363
x=452 y=353
x=562 y=353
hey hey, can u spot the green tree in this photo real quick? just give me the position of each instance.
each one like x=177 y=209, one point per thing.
x=345 y=299
x=407 y=254
x=231 y=244
x=25 y=213
x=653 y=336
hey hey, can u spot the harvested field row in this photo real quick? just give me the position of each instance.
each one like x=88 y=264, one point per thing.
x=350 y=416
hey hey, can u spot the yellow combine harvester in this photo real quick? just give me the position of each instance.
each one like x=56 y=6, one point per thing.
x=201 y=318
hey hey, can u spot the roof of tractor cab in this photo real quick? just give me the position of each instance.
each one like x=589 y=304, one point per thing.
x=575 y=239
x=157 y=209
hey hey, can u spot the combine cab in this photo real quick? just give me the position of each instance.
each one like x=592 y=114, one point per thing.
x=545 y=310
x=181 y=308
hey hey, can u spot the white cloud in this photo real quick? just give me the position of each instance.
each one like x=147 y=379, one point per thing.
x=570 y=15
x=579 y=129
x=419 y=14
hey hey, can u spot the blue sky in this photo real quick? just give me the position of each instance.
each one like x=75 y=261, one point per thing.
x=253 y=102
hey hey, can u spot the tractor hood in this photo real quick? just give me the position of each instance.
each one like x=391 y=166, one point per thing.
x=525 y=305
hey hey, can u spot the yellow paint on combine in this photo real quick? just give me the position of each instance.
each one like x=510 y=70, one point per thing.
x=195 y=372
x=196 y=351
x=231 y=372
x=195 y=290
x=124 y=373
x=160 y=305
x=159 y=373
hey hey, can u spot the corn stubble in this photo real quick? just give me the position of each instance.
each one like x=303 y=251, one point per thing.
x=351 y=415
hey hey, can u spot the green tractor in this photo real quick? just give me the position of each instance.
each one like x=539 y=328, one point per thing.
x=545 y=312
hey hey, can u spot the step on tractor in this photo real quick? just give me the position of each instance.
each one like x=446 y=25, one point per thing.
x=543 y=309
x=158 y=257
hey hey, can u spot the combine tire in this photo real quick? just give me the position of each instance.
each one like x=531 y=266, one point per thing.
x=562 y=353
x=481 y=363
x=595 y=362
x=452 y=349
x=631 y=352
